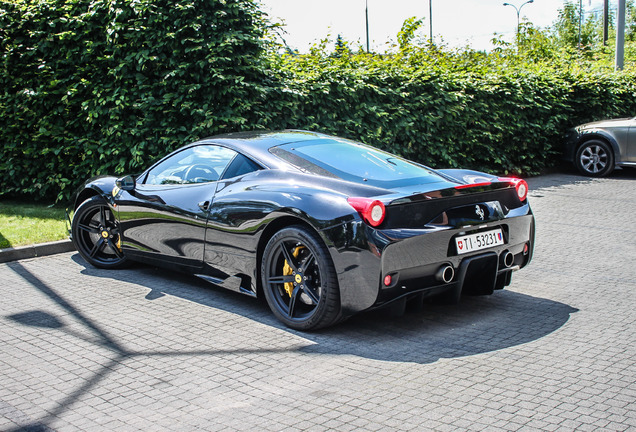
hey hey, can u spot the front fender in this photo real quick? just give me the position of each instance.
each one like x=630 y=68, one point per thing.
x=602 y=134
x=100 y=185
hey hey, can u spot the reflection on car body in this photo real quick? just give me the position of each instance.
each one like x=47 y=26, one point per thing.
x=321 y=226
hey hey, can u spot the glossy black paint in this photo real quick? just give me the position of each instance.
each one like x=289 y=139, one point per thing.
x=219 y=229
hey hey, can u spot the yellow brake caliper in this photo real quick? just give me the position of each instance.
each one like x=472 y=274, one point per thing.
x=287 y=270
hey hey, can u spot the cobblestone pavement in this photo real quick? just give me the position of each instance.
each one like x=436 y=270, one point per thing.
x=146 y=349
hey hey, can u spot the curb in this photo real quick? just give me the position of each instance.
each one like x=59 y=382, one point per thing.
x=37 y=250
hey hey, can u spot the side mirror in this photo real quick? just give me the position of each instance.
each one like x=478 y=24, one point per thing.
x=126 y=183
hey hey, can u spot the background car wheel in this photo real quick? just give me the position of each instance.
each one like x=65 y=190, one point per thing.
x=299 y=279
x=594 y=158
x=96 y=234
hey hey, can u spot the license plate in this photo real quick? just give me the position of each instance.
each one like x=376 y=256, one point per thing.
x=482 y=240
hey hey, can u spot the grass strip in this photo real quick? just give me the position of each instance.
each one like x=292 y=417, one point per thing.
x=27 y=223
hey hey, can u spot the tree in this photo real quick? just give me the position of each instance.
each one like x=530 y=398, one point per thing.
x=407 y=32
x=572 y=32
x=341 y=47
x=630 y=22
x=535 y=44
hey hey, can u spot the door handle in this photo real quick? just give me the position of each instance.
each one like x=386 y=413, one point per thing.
x=204 y=205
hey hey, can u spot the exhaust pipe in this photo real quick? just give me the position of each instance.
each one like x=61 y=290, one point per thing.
x=508 y=259
x=445 y=274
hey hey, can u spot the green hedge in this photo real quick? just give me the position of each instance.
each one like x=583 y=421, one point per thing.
x=110 y=85
x=504 y=121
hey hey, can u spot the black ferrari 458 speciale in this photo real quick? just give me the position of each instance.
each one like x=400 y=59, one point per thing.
x=323 y=227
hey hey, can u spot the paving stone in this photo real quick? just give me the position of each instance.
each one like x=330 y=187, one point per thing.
x=140 y=349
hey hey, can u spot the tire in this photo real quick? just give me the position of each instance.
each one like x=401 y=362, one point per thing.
x=594 y=158
x=299 y=280
x=96 y=234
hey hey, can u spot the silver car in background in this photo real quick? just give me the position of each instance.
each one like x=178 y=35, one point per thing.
x=597 y=148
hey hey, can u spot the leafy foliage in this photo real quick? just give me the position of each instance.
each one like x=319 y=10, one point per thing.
x=566 y=28
x=110 y=85
x=428 y=107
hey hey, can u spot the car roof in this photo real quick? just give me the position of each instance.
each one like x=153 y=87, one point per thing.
x=258 y=143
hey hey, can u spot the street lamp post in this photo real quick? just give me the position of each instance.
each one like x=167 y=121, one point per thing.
x=620 y=35
x=366 y=14
x=430 y=21
x=518 y=9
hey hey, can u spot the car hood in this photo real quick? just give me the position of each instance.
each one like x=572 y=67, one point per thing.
x=623 y=122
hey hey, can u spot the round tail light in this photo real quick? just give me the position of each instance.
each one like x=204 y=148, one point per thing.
x=521 y=186
x=372 y=211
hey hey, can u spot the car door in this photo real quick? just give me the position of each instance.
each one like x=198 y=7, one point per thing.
x=164 y=217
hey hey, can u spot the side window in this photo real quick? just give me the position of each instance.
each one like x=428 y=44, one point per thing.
x=239 y=166
x=199 y=164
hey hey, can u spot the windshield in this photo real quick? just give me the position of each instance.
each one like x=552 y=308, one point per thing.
x=355 y=162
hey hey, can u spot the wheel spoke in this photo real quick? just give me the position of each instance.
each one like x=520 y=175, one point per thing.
x=115 y=249
x=280 y=279
x=97 y=247
x=88 y=228
x=308 y=262
x=102 y=215
x=311 y=294
x=292 y=301
x=288 y=257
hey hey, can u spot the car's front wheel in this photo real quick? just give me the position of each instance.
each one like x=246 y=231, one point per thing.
x=96 y=234
x=299 y=279
x=594 y=158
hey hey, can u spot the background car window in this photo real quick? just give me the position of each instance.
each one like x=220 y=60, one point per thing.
x=198 y=164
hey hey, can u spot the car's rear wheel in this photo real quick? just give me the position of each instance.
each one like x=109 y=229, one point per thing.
x=594 y=158
x=96 y=234
x=299 y=279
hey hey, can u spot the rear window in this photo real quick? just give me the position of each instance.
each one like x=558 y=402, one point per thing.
x=355 y=162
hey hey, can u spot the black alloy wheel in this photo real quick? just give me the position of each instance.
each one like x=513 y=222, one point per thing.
x=96 y=234
x=594 y=158
x=299 y=279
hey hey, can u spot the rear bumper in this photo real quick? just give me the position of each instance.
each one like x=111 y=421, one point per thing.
x=413 y=258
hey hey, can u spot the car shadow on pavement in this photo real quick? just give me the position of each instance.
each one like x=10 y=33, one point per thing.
x=476 y=325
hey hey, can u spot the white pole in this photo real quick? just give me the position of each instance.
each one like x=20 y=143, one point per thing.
x=620 y=35
x=366 y=15
x=430 y=21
